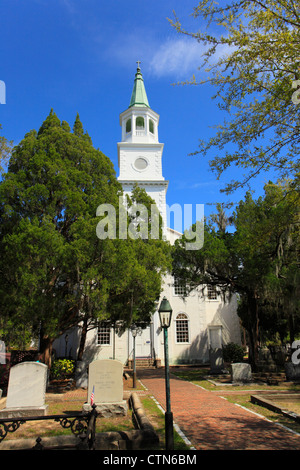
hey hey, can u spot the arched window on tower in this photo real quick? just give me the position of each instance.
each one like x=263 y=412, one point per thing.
x=140 y=123
x=151 y=126
x=128 y=125
x=182 y=328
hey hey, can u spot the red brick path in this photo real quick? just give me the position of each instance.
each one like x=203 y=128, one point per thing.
x=212 y=423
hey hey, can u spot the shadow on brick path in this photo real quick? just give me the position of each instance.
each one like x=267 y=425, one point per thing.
x=210 y=422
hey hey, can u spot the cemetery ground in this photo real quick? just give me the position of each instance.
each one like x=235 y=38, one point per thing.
x=64 y=398
x=278 y=401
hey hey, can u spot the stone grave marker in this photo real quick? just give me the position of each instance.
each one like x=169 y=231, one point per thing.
x=81 y=374
x=216 y=361
x=241 y=372
x=2 y=352
x=105 y=385
x=215 y=349
x=26 y=391
x=292 y=371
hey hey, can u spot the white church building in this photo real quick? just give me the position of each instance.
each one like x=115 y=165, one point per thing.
x=199 y=321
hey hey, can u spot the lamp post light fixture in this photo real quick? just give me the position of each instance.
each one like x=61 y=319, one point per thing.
x=165 y=315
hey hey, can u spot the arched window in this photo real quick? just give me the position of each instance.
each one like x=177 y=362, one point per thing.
x=182 y=328
x=151 y=126
x=140 y=123
x=128 y=125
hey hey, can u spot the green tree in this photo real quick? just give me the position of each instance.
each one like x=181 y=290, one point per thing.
x=251 y=56
x=5 y=149
x=56 y=272
x=142 y=261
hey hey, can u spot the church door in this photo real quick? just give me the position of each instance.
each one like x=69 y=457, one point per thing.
x=143 y=343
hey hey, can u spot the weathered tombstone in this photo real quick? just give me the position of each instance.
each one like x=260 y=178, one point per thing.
x=26 y=391
x=105 y=385
x=215 y=349
x=241 y=372
x=216 y=361
x=2 y=352
x=265 y=361
x=81 y=374
x=292 y=371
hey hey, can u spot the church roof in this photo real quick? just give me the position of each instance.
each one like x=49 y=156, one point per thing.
x=139 y=95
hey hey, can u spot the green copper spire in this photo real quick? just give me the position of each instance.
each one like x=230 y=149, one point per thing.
x=139 y=96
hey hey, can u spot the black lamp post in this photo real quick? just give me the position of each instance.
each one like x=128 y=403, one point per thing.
x=165 y=315
x=66 y=341
x=134 y=332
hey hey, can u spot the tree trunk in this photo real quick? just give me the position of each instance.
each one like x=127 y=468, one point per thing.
x=291 y=328
x=82 y=338
x=253 y=332
x=45 y=354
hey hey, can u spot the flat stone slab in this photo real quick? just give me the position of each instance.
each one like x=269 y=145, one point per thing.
x=25 y=412
x=108 y=410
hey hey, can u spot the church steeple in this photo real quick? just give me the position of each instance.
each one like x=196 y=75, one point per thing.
x=140 y=152
x=139 y=122
x=139 y=95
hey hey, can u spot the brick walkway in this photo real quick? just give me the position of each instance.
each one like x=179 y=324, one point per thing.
x=210 y=422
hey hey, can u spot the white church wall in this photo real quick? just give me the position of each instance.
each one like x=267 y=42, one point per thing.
x=151 y=170
x=200 y=312
x=116 y=347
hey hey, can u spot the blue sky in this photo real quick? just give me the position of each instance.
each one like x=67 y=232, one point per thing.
x=80 y=56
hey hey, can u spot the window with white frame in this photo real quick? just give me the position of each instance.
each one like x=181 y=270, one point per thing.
x=211 y=292
x=128 y=125
x=140 y=123
x=179 y=287
x=103 y=335
x=182 y=328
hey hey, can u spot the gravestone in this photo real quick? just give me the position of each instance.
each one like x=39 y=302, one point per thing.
x=26 y=391
x=292 y=371
x=81 y=374
x=265 y=361
x=2 y=352
x=216 y=361
x=105 y=384
x=241 y=372
x=215 y=349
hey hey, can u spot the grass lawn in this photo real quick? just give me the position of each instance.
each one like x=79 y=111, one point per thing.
x=59 y=404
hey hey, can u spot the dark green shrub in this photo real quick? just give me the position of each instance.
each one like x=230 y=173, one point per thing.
x=233 y=352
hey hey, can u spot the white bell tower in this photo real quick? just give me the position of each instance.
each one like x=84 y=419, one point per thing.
x=140 y=152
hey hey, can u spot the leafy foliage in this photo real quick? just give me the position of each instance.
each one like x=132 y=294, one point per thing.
x=251 y=56
x=233 y=352
x=55 y=271
x=5 y=149
x=62 y=368
x=259 y=261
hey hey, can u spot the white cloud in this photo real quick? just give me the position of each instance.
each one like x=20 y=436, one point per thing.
x=177 y=58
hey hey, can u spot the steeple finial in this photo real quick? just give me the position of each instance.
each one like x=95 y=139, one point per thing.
x=139 y=96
